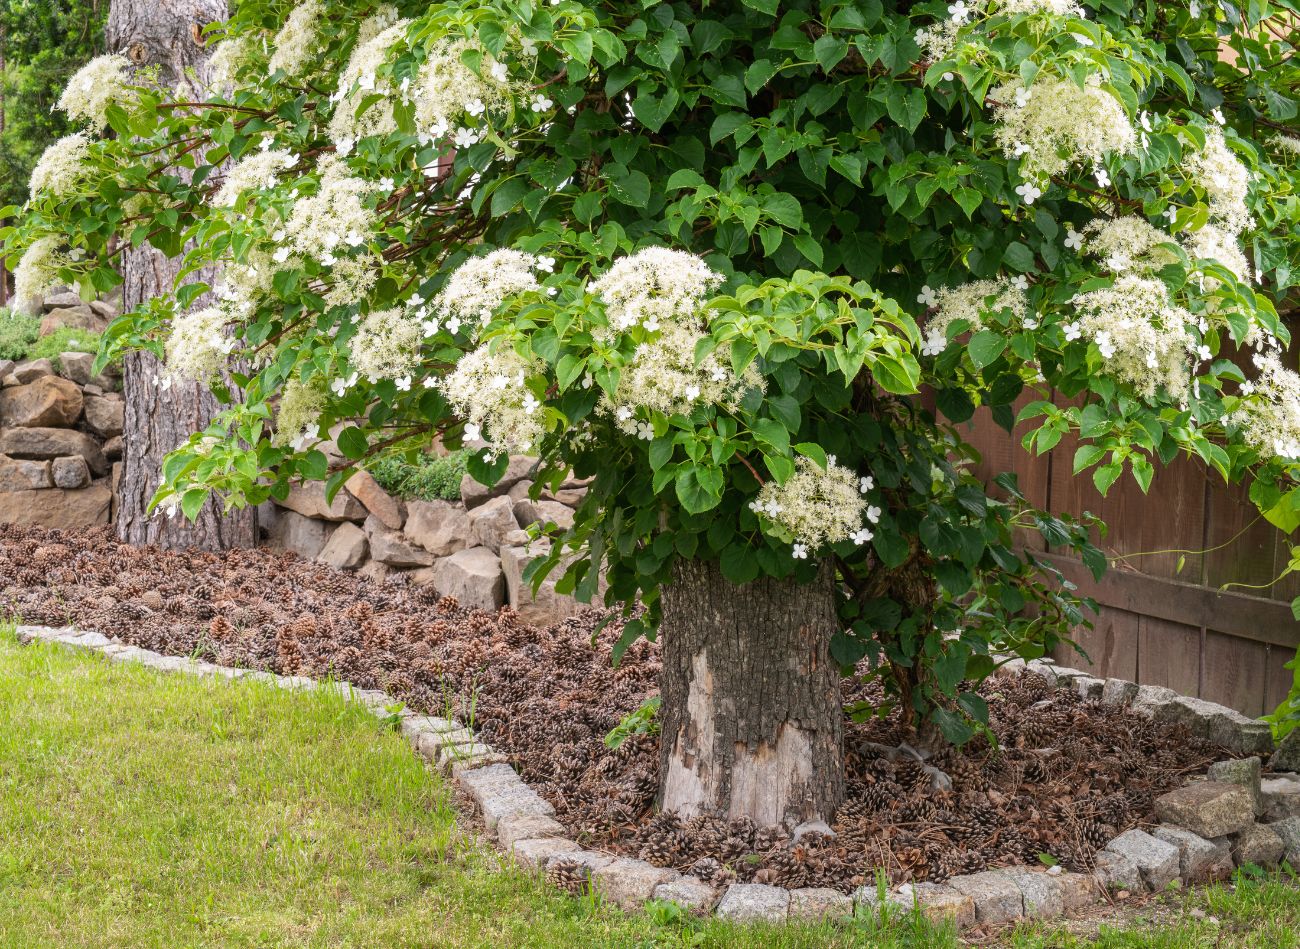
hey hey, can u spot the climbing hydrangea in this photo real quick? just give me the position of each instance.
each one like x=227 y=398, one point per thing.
x=299 y=39
x=62 y=167
x=199 y=346
x=487 y=389
x=1269 y=415
x=817 y=506
x=95 y=87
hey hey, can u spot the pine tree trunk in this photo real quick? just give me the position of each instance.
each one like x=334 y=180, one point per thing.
x=167 y=34
x=751 y=715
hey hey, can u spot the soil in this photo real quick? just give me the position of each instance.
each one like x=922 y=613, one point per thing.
x=1065 y=777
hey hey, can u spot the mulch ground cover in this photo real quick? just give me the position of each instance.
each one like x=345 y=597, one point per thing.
x=1064 y=777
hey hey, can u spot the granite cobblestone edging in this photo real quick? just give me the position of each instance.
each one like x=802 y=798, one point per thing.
x=1251 y=821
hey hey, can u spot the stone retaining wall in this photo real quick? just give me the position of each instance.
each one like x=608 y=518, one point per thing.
x=60 y=429
x=474 y=549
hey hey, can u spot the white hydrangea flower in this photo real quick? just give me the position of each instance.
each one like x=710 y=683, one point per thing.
x=387 y=345
x=1053 y=7
x=1269 y=417
x=198 y=347
x=1225 y=180
x=100 y=83
x=336 y=214
x=814 y=506
x=228 y=57
x=260 y=169
x=1054 y=125
x=478 y=287
x=1129 y=243
x=939 y=39
x=1285 y=143
x=970 y=302
x=351 y=279
x=445 y=84
x=299 y=40
x=357 y=82
x=62 y=167
x=1215 y=243
x=297 y=419
x=38 y=269
x=654 y=287
x=487 y=389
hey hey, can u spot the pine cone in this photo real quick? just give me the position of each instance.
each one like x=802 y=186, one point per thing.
x=568 y=875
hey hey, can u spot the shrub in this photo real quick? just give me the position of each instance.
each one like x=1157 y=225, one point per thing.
x=17 y=334
x=423 y=477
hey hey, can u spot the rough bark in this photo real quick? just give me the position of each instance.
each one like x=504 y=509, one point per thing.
x=751 y=716
x=167 y=34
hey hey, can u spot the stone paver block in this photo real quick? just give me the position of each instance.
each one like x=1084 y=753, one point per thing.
x=1077 y=890
x=1280 y=797
x=512 y=827
x=1287 y=756
x=1207 y=808
x=997 y=899
x=752 y=902
x=689 y=893
x=536 y=853
x=498 y=801
x=1243 y=771
x=629 y=883
x=1218 y=724
x=1260 y=845
x=937 y=903
x=1151 y=699
x=462 y=766
x=1197 y=857
x=1118 y=692
x=586 y=858
x=1040 y=892
x=1157 y=860
x=1114 y=871
x=816 y=903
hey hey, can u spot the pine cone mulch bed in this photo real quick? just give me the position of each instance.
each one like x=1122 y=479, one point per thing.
x=1067 y=775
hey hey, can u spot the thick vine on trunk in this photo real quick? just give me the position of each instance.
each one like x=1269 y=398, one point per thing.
x=751 y=715
x=167 y=34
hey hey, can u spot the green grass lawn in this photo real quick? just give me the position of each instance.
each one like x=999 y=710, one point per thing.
x=144 y=809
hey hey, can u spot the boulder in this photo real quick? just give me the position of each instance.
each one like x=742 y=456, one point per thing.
x=472 y=576
x=46 y=402
x=393 y=547
x=491 y=522
x=105 y=416
x=376 y=571
x=1199 y=860
x=78 y=367
x=17 y=474
x=70 y=472
x=1287 y=756
x=547 y=607
x=6 y=367
x=1258 y=845
x=79 y=317
x=58 y=509
x=113 y=451
x=305 y=536
x=1157 y=860
x=61 y=299
x=308 y=499
x=1279 y=796
x=48 y=443
x=1243 y=771
x=362 y=486
x=1288 y=830
x=346 y=549
x=472 y=494
x=440 y=527
x=104 y=309
x=1208 y=808
x=528 y=511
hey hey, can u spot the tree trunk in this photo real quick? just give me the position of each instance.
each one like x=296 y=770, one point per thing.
x=167 y=34
x=751 y=715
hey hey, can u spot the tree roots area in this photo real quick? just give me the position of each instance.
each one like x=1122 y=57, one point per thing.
x=1064 y=777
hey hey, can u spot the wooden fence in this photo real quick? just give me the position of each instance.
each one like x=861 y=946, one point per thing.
x=1164 y=619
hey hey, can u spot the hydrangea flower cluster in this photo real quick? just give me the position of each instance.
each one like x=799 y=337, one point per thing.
x=487 y=389
x=38 y=269
x=969 y=302
x=1225 y=180
x=61 y=167
x=360 y=80
x=299 y=40
x=100 y=83
x=1129 y=243
x=334 y=217
x=297 y=420
x=351 y=279
x=199 y=346
x=1053 y=125
x=1054 y=7
x=229 y=57
x=1269 y=415
x=387 y=346
x=261 y=169
x=451 y=99
x=1144 y=339
x=654 y=287
x=818 y=506
x=478 y=287
x=1213 y=242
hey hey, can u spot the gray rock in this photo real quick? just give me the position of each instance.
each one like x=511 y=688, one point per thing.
x=59 y=299
x=690 y=894
x=498 y=801
x=586 y=858
x=1199 y=860
x=1077 y=890
x=382 y=505
x=1280 y=797
x=536 y=853
x=1287 y=756
x=308 y=499
x=454 y=759
x=6 y=367
x=816 y=903
x=41 y=444
x=629 y=883
x=70 y=472
x=1151 y=698
x=57 y=508
x=472 y=494
x=105 y=416
x=1118 y=692
x=491 y=522
x=1114 y=871
x=515 y=827
x=77 y=317
x=997 y=899
x=32 y=369
x=1218 y=724
x=1040 y=893
x=393 y=547
x=104 y=310
x=528 y=511
x=1243 y=771
x=346 y=549
x=79 y=367
x=545 y=607
x=1259 y=845
x=18 y=474
x=1089 y=687
x=376 y=572
x=1156 y=860
x=473 y=577
x=440 y=527
x=937 y=903
x=114 y=447
x=305 y=536
x=752 y=902
x=1207 y=808
x=46 y=402
x=1288 y=831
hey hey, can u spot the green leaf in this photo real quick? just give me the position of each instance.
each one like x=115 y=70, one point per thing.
x=352 y=443
x=684 y=178
x=192 y=502
x=1019 y=257
x=1086 y=456
x=985 y=347
x=784 y=209
x=829 y=50
x=758 y=73
x=739 y=565
x=632 y=189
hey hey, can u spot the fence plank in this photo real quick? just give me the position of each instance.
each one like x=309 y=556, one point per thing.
x=1111 y=646
x=1169 y=654
x=1235 y=672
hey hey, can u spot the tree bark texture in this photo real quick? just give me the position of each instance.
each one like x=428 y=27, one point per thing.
x=751 y=715
x=167 y=34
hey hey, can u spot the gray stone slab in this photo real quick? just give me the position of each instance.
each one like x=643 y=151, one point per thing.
x=1288 y=831
x=1207 y=808
x=1114 y=871
x=689 y=893
x=1196 y=855
x=513 y=827
x=937 y=903
x=462 y=766
x=590 y=859
x=754 y=902
x=1077 y=890
x=1156 y=860
x=1279 y=797
x=629 y=883
x=510 y=800
x=996 y=897
x=1089 y=687
x=1040 y=893
x=1243 y=771
x=1258 y=845
x=536 y=853
x=1118 y=692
